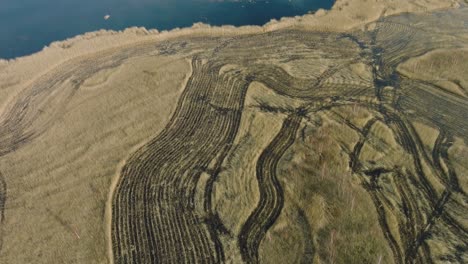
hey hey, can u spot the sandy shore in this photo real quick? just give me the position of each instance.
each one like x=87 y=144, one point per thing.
x=345 y=15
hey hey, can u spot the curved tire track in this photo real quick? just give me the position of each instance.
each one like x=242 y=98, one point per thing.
x=271 y=194
x=154 y=216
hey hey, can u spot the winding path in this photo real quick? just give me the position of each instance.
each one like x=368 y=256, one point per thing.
x=271 y=194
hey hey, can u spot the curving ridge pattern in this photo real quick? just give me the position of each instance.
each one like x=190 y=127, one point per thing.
x=154 y=219
x=271 y=194
x=157 y=185
x=156 y=215
x=153 y=212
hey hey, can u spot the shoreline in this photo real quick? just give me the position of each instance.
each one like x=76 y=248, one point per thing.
x=103 y=100
x=310 y=21
x=345 y=15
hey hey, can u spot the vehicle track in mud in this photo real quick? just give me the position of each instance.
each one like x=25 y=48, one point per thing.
x=154 y=219
x=421 y=207
x=158 y=182
x=271 y=200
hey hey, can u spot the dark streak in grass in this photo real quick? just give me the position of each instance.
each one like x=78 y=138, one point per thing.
x=271 y=193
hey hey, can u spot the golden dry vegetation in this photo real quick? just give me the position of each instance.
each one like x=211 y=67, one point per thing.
x=280 y=146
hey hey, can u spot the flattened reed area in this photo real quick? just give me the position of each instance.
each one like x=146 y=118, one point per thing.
x=154 y=218
x=415 y=187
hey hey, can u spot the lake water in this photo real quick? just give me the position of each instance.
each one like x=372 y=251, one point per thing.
x=26 y=26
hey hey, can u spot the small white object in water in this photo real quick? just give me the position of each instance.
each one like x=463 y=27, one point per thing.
x=106 y=17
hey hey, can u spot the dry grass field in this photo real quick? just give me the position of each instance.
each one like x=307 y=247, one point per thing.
x=283 y=146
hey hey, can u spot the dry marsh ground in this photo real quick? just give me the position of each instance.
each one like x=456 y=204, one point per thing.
x=289 y=146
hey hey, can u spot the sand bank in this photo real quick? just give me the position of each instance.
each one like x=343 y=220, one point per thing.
x=344 y=15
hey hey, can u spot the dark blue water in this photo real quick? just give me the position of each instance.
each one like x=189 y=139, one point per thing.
x=26 y=26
